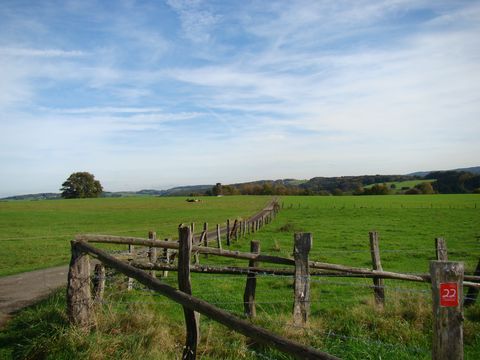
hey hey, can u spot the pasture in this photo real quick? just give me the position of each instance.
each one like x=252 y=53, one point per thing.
x=141 y=324
x=37 y=234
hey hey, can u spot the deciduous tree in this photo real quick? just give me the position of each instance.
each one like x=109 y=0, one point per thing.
x=81 y=185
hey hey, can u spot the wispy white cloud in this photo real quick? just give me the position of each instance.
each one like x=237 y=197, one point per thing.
x=197 y=21
x=44 y=53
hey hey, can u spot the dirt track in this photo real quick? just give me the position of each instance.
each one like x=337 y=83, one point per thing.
x=21 y=290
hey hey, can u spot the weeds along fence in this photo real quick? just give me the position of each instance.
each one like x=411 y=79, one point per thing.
x=447 y=281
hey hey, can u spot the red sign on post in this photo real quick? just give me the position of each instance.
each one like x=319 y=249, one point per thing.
x=448 y=294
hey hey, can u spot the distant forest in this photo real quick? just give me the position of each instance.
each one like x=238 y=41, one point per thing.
x=442 y=182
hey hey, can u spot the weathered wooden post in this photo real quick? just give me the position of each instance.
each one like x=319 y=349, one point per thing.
x=131 y=253
x=235 y=230
x=195 y=255
x=166 y=256
x=472 y=292
x=219 y=237
x=441 y=249
x=79 y=301
x=205 y=237
x=202 y=241
x=447 y=293
x=378 y=283
x=152 y=251
x=98 y=283
x=191 y=318
x=249 y=294
x=228 y=232
x=301 y=306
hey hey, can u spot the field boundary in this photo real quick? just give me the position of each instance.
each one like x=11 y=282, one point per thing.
x=143 y=268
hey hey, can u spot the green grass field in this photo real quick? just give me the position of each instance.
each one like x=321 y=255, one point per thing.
x=343 y=321
x=37 y=234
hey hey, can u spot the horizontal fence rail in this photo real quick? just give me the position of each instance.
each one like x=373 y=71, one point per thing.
x=107 y=239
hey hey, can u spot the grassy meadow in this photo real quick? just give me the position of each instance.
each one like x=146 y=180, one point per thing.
x=37 y=234
x=343 y=321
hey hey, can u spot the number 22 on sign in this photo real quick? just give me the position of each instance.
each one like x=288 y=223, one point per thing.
x=448 y=294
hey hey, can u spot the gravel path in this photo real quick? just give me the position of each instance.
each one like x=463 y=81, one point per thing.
x=21 y=290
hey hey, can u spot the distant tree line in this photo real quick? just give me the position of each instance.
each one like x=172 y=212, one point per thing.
x=455 y=182
x=261 y=188
x=447 y=182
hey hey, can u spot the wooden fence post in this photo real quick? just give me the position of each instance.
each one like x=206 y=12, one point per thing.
x=195 y=255
x=472 y=292
x=301 y=306
x=249 y=294
x=228 y=232
x=441 y=249
x=131 y=252
x=205 y=229
x=447 y=293
x=166 y=256
x=219 y=237
x=98 y=283
x=152 y=251
x=235 y=229
x=202 y=241
x=79 y=301
x=191 y=318
x=378 y=283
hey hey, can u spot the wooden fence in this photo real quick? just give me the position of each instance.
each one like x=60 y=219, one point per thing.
x=447 y=281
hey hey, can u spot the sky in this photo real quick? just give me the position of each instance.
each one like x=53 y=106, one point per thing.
x=155 y=94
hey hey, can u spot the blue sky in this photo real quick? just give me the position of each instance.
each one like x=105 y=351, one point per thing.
x=153 y=94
